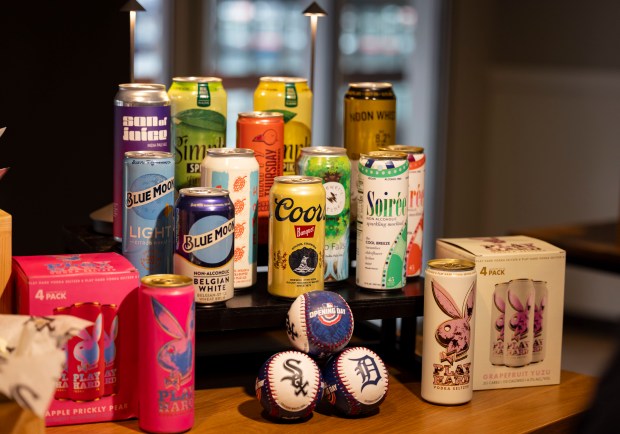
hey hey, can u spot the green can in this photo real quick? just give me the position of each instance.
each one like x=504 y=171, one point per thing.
x=198 y=109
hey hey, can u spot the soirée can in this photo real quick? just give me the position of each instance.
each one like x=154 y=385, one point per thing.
x=519 y=322
x=148 y=220
x=296 y=236
x=382 y=220
x=236 y=170
x=540 y=321
x=204 y=247
x=141 y=123
x=110 y=333
x=332 y=165
x=498 y=323
x=166 y=353
x=447 y=349
x=292 y=97
x=198 y=109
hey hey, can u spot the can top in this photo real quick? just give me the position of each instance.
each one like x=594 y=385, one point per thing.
x=451 y=264
x=403 y=148
x=261 y=115
x=283 y=80
x=145 y=93
x=298 y=179
x=166 y=280
x=324 y=150
x=203 y=191
x=367 y=85
x=385 y=155
x=230 y=152
x=145 y=87
x=196 y=79
x=148 y=154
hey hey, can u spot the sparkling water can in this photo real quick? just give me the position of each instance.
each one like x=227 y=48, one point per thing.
x=498 y=323
x=540 y=321
x=519 y=322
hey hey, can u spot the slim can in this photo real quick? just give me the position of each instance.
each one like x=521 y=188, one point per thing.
x=148 y=220
x=296 y=236
x=141 y=123
x=382 y=220
x=540 y=321
x=292 y=97
x=62 y=385
x=199 y=108
x=110 y=333
x=498 y=322
x=166 y=353
x=332 y=165
x=415 y=205
x=520 y=322
x=447 y=343
x=204 y=242
x=236 y=170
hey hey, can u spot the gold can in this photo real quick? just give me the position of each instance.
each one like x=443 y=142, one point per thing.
x=296 y=236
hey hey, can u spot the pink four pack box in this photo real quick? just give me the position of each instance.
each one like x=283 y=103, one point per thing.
x=99 y=380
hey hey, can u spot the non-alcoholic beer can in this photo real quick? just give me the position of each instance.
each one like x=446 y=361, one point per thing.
x=415 y=205
x=519 y=322
x=498 y=322
x=204 y=242
x=199 y=110
x=447 y=342
x=296 y=236
x=263 y=132
x=236 y=170
x=540 y=321
x=292 y=97
x=110 y=333
x=331 y=164
x=166 y=353
x=383 y=188
x=148 y=220
x=141 y=123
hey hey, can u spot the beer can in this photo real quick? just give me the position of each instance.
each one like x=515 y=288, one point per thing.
x=148 y=220
x=382 y=220
x=447 y=342
x=415 y=205
x=296 y=236
x=263 y=132
x=292 y=97
x=62 y=384
x=204 y=242
x=166 y=353
x=519 y=322
x=141 y=123
x=198 y=107
x=236 y=170
x=332 y=165
x=540 y=321
x=498 y=322
x=110 y=333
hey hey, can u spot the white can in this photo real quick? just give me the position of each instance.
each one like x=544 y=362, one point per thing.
x=519 y=322
x=383 y=187
x=447 y=349
x=540 y=321
x=498 y=310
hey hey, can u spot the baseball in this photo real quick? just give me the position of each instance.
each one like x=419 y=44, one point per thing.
x=319 y=323
x=289 y=385
x=356 y=381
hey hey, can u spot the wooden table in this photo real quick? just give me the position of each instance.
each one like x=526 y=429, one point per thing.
x=547 y=408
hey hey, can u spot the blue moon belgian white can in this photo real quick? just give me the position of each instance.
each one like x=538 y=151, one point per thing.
x=148 y=211
x=204 y=242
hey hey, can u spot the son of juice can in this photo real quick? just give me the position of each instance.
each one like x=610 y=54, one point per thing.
x=292 y=97
x=236 y=170
x=148 y=220
x=296 y=236
x=198 y=109
x=382 y=220
x=204 y=242
x=331 y=164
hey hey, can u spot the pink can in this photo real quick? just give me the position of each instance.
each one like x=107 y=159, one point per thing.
x=167 y=343
x=62 y=385
x=110 y=333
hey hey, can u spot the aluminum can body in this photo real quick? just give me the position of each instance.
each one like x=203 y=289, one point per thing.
x=498 y=322
x=296 y=236
x=148 y=221
x=383 y=188
x=236 y=170
x=519 y=322
x=110 y=333
x=204 y=242
x=332 y=165
x=166 y=353
x=141 y=123
x=447 y=350
x=540 y=321
x=292 y=97
x=199 y=109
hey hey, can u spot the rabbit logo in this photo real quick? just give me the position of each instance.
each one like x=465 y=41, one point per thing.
x=87 y=350
x=175 y=356
x=109 y=344
x=518 y=321
x=500 y=304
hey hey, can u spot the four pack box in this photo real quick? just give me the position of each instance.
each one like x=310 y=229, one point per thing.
x=519 y=305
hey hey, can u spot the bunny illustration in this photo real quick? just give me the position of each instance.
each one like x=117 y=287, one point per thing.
x=453 y=334
x=500 y=304
x=87 y=350
x=109 y=344
x=519 y=321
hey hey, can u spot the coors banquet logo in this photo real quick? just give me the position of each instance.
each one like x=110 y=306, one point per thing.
x=285 y=209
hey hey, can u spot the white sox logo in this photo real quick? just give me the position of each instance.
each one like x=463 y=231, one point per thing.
x=368 y=369
x=296 y=377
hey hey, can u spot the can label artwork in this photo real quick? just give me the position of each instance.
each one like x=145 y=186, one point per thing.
x=540 y=321
x=382 y=220
x=498 y=324
x=519 y=322
x=110 y=333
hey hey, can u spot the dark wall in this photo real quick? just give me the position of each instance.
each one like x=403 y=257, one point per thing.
x=59 y=71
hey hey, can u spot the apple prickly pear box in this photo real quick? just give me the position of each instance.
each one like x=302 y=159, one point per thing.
x=518 y=310
x=98 y=381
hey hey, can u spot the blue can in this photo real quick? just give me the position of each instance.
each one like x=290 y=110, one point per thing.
x=148 y=211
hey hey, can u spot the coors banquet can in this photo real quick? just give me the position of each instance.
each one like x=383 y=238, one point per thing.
x=296 y=236
x=447 y=343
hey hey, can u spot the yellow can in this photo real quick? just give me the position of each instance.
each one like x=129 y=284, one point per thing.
x=292 y=97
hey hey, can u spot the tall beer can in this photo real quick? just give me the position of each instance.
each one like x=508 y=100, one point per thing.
x=447 y=344
x=332 y=165
x=199 y=109
x=540 y=321
x=236 y=170
x=141 y=123
x=110 y=333
x=383 y=188
x=292 y=97
x=296 y=236
x=519 y=322
x=166 y=353
x=498 y=323
x=148 y=220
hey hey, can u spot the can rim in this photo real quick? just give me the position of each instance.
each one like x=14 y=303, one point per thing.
x=330 y=150
x=261 y=114
x=371 y=85
x=142 y=86
x=297 y=179
x=166 y=280
x=384 y=155
x=230 y=152
x=280 y=79
x=148 y=154
x=448 y=264
x=203 y=191
x=196 y=79
x=403 y=148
